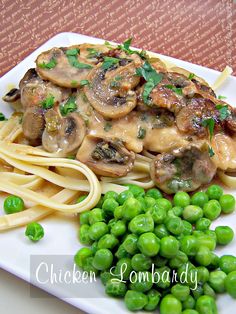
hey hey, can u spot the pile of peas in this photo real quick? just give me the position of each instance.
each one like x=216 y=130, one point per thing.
x=141 y=229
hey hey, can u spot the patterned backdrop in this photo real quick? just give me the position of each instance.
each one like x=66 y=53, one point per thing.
x=199 y=31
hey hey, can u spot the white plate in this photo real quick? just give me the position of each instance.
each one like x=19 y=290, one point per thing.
x=60 y=233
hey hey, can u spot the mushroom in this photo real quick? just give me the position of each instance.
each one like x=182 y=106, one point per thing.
x=111 y=90
x=106 y=156
x=67 y=67
x=63 y=135
x=190 y=119
x=185 y=169
x=12 y=96
x=33 y=124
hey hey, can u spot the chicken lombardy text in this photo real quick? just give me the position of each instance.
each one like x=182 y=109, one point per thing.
x=104 y=104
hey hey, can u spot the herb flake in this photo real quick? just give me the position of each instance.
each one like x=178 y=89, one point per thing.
x=69 y=106
x=48 y=102
x=72 y=57
x=210 y=124
x=109 y=62
x=177 y=90
x=84 y=82
x=141 y=133
x=2 y=117
x=191 y=76
x=211 y=151
x=107 y=126
x=49 y=65
x=224 y=111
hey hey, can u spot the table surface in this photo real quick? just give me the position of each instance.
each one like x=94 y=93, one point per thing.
x=198 y=31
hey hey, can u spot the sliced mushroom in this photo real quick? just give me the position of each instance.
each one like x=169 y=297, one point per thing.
x=111 y=90
x=184 y=169
x=107 y=157
x=69 y=70
x=12 y=96
x=33 y=124
x=63 y=135
x=190 y=118
x=34 y=90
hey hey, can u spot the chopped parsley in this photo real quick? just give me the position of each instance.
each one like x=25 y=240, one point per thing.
x=74 y=83
x=118 y=78
x=109 y=45
x=114 y=84
x=126 y=48
x=211 y=151
x=48 y=102
x=141 y=133
x=107 y=126
x=152 y=79
x=224 y=111
x=49 y=65
x=109 y=62
x=69 y=106
x=221 y=97
x=191 y=76
x=177 y=90
x=2 y=117
x=84 y=82
x=93 y=53
x=72 y=56
x=70 y=157
x=210 y=124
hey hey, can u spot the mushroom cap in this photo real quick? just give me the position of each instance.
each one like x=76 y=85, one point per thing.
x=33 y=124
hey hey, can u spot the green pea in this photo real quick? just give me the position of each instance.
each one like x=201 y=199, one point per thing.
x=202 y=274
x=88 y=266
x=192 y=213
x=154 y=193
x=212 y=209
x=102 y=259
x=141 y=223
x=212 y=234
x=121 y=252
x=230 y=284
x=203 y=224
x=180 y=291
x=189 y=245
x=149 y=201
x=215 y=260
x=100 y=202
x=197 y=292
x=111 y=194
x=105 y=276
x=199 y=199
x=187 y=272
x=169 y=247
x=123 y=268
x=159 y=261
x=81 y=255
x=161 y=231
x=189 y=303
x=207 y=290
x=34 y=231
x=94 y=247
x=162 y=277
x=227 y=203
x=206 y=240
x=178 y=260
x=135 y=300
x=227 y=263
x=158 y=214
x=109 y=205
x=130 y=244
x=175 y=225
x=149 y=244
x=224 y=235
x=203 y=256
x=118 y=212
x=135 y=190
x=13 y=204
x=81 y=198
x=111 y=223
x=177 y=210
x=84 y=235
x=108 y=241
x=181 y=199
x=123 y=196
x=153 y=300
x=96 y=215
x=163 y=202
x=97 y=230
x=216 y=280
x=187 y=227
x=141 y=262
x=84 y=218
x=131 y=208
x=214 y=192
x=118 y=229
x=141 y=281
x=142 y=203
x=115 y=288
x=206 y=305
x=170 y=305
x=190 y=311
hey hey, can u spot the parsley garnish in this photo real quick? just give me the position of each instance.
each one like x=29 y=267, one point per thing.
x=210 y=124
x=48 y=102
x=70 y=157
x=221 y=97
x=107 y=126
x=211 y=151
x=109 y=45
x=177 y=90
x=74 y=83
x=152 y=79
x=69 y=106
x=224 y=111
x=109 y=62
x=72 y=56
x=84 y=82
x=141 y=133
x=2 y=117
x=114 y=84
x=50 y=65
x=191 y=76
x=118 y=78
x=126 y=47
x=93 y=53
